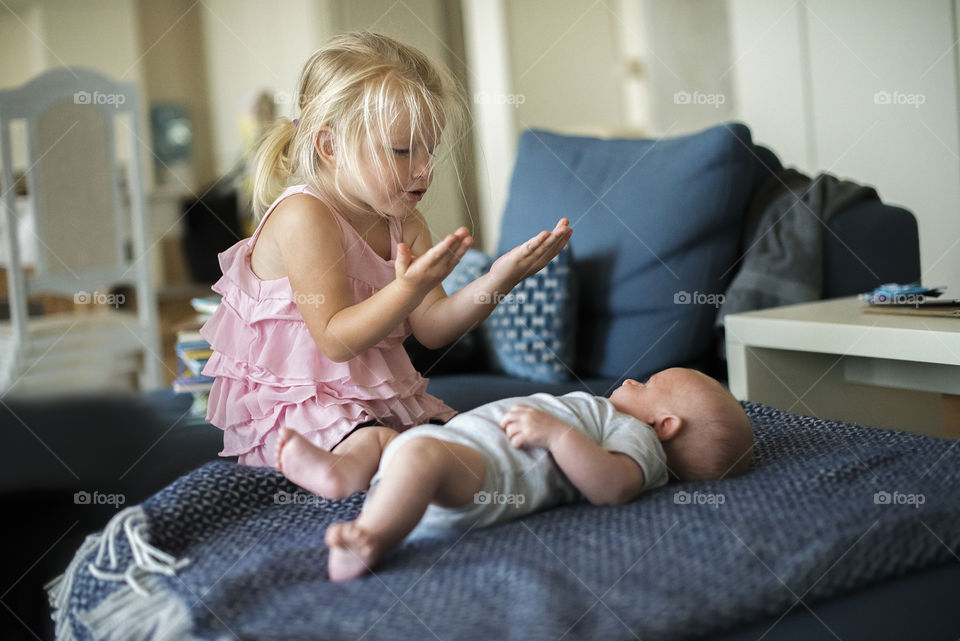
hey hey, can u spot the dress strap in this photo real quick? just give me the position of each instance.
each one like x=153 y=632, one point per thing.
x=396 y=235
x=289 y=191
x=395 y=226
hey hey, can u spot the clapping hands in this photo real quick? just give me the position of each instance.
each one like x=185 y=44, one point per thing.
x=528 y=258
x=423 y=273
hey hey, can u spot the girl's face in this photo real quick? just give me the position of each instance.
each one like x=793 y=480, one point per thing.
x=393 y=180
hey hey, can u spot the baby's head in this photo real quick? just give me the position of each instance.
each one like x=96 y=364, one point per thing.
x=704 y=431
x=371 y=111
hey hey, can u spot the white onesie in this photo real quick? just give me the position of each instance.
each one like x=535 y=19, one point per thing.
x=520 y=481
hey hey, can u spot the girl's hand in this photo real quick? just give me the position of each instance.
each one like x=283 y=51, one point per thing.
x=420 y=274
x=525 y=425
x=530 y=257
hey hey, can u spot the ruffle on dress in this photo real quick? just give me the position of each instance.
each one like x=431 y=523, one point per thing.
x=269 y=372
x=322 y=412
x=272 y=335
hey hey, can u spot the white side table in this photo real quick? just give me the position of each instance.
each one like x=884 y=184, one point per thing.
x=831 y=360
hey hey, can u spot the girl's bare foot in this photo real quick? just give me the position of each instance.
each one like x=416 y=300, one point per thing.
x=285 y=434
x=311 y=467
x=353 y=551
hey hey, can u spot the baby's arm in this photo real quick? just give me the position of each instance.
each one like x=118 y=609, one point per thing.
x=441 y=319
x=603 y=477
x=312 y=248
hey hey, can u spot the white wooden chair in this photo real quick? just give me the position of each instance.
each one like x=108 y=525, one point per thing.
x=90 y=229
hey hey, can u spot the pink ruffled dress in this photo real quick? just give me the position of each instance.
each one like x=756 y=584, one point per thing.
x=269 y=372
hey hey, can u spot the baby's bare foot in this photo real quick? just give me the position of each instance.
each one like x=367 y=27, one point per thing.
x=309 y=466
x=353 y=551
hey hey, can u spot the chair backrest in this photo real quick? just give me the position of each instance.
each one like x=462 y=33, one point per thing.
x=85 y=189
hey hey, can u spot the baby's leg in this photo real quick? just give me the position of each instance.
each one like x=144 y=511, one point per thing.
x=338 y=474
x=424 y=470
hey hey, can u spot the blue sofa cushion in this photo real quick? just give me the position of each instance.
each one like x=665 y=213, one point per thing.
x=531 y=334
x=472 y=265
x=656 y=233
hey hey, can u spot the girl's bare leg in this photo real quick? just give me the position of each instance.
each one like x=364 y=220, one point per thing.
x=336 y=474
x=423 y=471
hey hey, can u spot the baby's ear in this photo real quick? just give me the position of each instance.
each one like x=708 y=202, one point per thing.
x=667 y=426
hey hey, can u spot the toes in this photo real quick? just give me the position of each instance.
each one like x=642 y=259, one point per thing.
x=348 y=536
x=334 y=536
x=351 y=551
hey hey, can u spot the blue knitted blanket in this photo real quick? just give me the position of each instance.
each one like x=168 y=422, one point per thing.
x=229 y=551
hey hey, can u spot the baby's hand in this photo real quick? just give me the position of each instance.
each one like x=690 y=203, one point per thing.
x=530 y=257
x=422 y=273
x=525 y=425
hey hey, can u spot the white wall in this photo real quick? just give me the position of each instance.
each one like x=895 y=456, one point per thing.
x=563 y=62
x=251 y=45
x=95 y=33
x=687 y=62
x=808 y=77
x=35 y=37
x=551 y=64
x=493 y=125
x=770 y=70
x=21 y=45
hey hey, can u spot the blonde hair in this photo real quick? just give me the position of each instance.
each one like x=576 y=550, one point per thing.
x=357 y=85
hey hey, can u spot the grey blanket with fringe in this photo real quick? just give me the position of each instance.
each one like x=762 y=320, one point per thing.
x=782 y=240
x=237 y=552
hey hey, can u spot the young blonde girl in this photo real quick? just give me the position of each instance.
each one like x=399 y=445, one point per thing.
x=340 y=270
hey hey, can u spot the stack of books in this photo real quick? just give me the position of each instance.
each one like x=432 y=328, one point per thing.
x=192 y=354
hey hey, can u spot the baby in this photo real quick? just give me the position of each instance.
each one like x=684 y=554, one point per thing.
x=516 y=456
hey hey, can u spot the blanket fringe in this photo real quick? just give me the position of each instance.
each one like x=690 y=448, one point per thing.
x=126 y=615
x=59 y=589
x=154 y=617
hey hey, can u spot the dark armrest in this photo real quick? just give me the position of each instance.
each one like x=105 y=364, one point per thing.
x=463 y=356
x=869 y=244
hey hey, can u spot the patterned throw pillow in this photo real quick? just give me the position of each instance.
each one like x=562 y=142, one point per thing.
x=472 y=266
x=532 y=332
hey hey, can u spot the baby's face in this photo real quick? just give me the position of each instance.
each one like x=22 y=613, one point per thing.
x=642 y=400
x=713 y=434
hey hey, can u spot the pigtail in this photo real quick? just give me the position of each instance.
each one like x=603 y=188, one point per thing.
x=274 y=165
